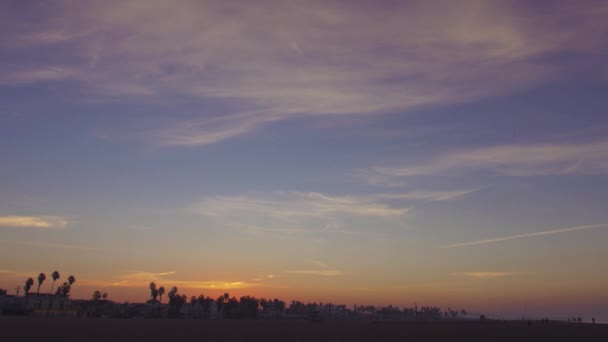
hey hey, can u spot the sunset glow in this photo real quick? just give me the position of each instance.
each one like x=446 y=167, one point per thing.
x=354 y=152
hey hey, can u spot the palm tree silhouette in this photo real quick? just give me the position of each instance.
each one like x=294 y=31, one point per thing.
x=71 y=280
x=28 y=285
x=55 y=276
x=153 y=290
x=161 y=292
x=41 y=279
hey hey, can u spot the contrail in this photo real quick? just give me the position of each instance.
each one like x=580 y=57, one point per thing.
x=526 y=235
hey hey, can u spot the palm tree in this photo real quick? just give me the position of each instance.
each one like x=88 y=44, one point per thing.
x=64 y=289
x=71 y=280
x=28 y=285
x=55 y=276
x=161 y=292
x=41 y=279
x=153 y=291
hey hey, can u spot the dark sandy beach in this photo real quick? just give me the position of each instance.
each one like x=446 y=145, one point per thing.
x=38 y=329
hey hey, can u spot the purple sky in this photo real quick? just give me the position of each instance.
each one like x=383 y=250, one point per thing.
x=451 y=154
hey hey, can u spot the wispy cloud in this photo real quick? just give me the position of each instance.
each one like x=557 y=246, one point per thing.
x=484 y=275
x=46 y=74
x=299 y=213
x=51 y=245
x=44 y=222
x=327 y=273
x=189 y=284
x=527 y=235
x=207 y=131
x=325 y=270
x=143 y=278
x=224 y=285
x=145 y=275
x=286 y=59
x=290 y=212
x=287 y=206
x=515 y=160
x=425 y=195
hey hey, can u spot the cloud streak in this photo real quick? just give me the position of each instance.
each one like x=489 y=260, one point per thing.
x=281 y=212
x=325 y=273
x=142 y=279
x=512 y=160
x=42 y=222
x=287 y=206
x=527 y=235
x=52 y=245
x=290 y=212
x=484 y=275
x=298 y=58
x=143 y=283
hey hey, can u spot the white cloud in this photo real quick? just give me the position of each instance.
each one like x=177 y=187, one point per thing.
x=43 y=222
x=290 y=206
x=515 y=160
x=211 y=130
x=280 y=212
x=283 y=59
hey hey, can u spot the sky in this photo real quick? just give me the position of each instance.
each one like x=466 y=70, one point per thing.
x=356 y=152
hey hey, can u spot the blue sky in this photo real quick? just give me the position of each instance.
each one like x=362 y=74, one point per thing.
x=304 y=148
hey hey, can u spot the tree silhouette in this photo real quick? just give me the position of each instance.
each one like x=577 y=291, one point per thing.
x=41 y=279
x=104 y=296
x=175 y=302
x=161 y=292
x=64 y=289
x=28 y=285
x=96 y=296
x=153 y=291
x=26 y=288
x=220 y=305
x=172 y=293
x=55 y=276
x=248 y=307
